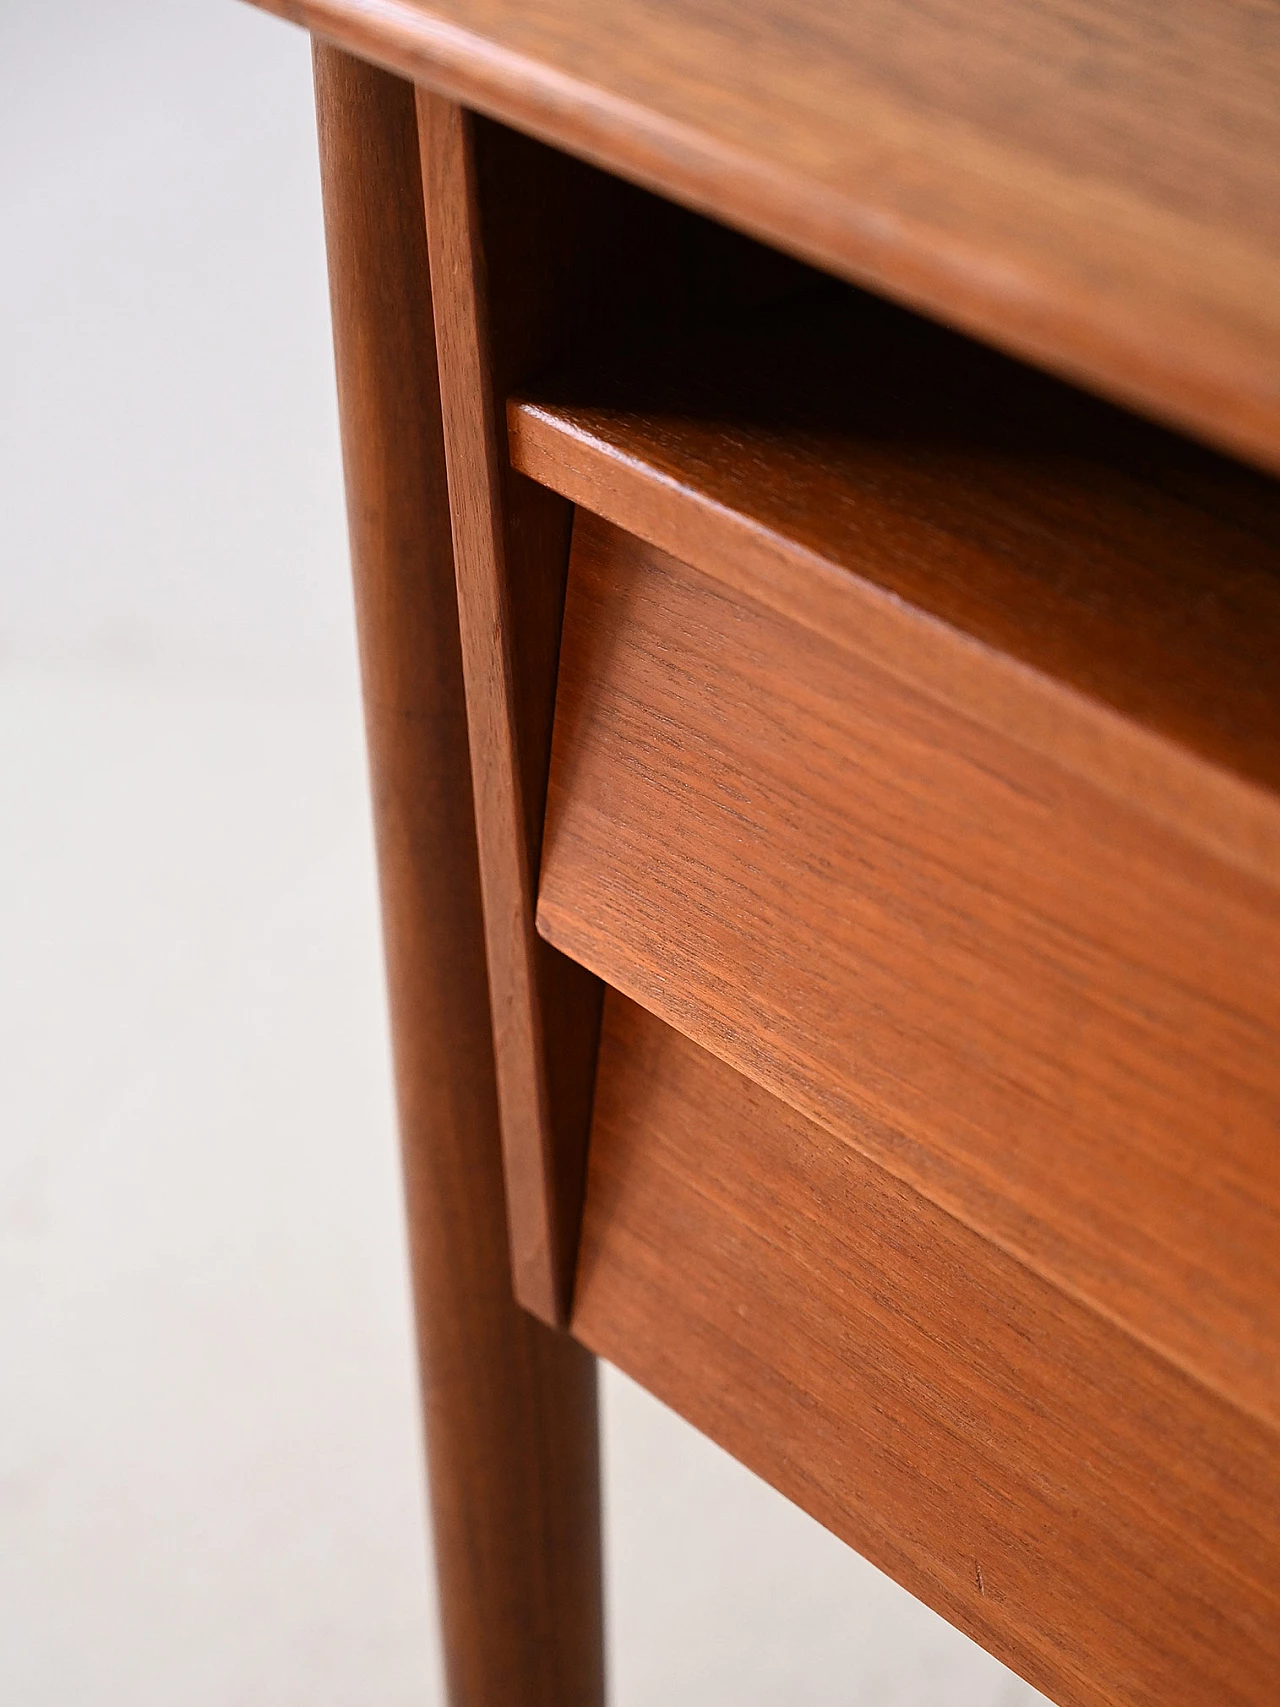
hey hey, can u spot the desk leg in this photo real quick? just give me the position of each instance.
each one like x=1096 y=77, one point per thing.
x=510 y=1405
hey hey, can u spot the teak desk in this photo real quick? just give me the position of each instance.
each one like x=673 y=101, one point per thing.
x=810 y=474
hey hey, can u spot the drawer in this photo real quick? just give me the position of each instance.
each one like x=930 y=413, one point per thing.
x=915 y=755
x=1093 y=1516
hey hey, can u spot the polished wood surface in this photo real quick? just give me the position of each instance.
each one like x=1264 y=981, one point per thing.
x=534 y=257
x=541 y=1248
x=1093 y=184
x=510 y=1405
x=1049 y=1014
x=1102 y=1523
x=1038 y=560
x=916 y=772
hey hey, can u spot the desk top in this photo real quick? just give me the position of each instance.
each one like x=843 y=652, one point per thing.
x=1092 y=184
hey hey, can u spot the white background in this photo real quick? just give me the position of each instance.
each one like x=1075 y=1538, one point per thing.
x=209 y=1483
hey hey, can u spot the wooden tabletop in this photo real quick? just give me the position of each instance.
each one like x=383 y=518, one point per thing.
x=1092 y=184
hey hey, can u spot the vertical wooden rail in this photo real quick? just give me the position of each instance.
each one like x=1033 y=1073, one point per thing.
x=510 y=541
x=475 y=487
x=510 y=1404
x=535 y=258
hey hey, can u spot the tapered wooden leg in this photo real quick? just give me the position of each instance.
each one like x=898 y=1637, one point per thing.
x=510 y=1404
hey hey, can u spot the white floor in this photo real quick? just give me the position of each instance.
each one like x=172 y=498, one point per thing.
x=209 y=1482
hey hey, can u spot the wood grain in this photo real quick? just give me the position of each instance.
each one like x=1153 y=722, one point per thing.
x=1092 y=1517
x=510 y=1405
x=536 y=256
x=1039 y=1007
x=1093 y=185
x=1039 y=560
x=541 y=1254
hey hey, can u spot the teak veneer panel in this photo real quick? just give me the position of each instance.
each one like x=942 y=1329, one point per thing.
x=1094 y=184
x=1049 y=1014
x=1040 y=560
x=1093 y=1517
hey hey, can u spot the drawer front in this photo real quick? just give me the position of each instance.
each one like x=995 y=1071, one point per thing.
x=1088 y=1513
x=1048 y=1014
